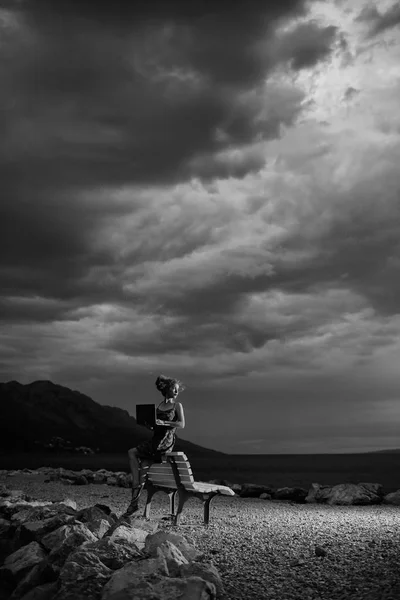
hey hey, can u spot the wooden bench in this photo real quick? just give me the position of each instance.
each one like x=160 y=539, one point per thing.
x=175 y=477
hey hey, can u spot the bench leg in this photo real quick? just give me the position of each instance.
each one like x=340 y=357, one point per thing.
x=150 y=493
x=207 y=501
x=172 y=496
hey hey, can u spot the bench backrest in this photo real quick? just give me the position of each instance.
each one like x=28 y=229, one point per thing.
x=172 y=473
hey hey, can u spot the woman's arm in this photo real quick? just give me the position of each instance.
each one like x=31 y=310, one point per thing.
x=180 y=422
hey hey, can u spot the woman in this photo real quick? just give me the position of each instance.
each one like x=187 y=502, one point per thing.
x=170 y=416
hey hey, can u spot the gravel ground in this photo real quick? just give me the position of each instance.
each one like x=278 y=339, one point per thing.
x=267 y=550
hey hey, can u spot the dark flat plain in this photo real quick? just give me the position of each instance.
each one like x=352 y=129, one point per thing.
x=276 y=470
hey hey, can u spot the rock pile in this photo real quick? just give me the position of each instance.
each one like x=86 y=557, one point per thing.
x=52 y=551
x=344 y=494
x=341 y=494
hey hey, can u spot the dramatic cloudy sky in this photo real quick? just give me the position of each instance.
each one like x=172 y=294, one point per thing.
x=213 y=195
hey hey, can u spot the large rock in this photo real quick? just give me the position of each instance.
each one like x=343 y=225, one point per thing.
x=132 y=573
x=5 y=527
x=10 y=507
x=294 y=494
x=82 y=576
x=252 y=490
x=40 y=574
x=346 y=494
x=166 y=588
x=131 y=535
x=17 y=564
x=155 y=540
x=350 y=493
x=56 y=538
x=38 y=513
x=318 y=493
x=97 y=519
x=35 y=530
x=206 y=571
x=96 y=512
x=46 y=591
x=65 y=540
x=173 y=556
x=392 y=498
x=114 y=555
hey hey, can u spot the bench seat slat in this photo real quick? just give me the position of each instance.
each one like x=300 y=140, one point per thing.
x=210 y=487
x=167 y=471
x=170 y=483
x=155 y=477
x=165 y=468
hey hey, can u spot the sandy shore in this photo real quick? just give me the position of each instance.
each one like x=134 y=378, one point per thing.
x=267 y=550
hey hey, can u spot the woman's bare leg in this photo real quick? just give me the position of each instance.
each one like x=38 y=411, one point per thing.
x=134 y=466
x=138 y=468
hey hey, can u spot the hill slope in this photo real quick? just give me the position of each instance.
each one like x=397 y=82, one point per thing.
x=38 y=411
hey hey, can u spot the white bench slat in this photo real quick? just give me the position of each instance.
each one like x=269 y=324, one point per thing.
x=210 y=487
x=183 y=468
x=184 y=478
x=167 y=469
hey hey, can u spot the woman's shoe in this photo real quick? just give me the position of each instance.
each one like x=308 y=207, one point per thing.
x=132 y=508
x=134 y=504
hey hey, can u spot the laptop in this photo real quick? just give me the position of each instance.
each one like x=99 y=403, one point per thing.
x=146 y=415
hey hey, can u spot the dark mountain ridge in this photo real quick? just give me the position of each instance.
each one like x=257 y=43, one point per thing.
x=34 y=413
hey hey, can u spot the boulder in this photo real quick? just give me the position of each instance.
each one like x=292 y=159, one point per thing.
x=143 y=590
x=57 y=537
x=265 y=496
x=66 y=539
x=138 y=523
x=173 y=556
x=206 y=571
x=82 y=576
x=155 y=540
x=193 y=588
x=346 y=494
x=39 y=513
x=294 y=494
x=40 y=574
x=131 y=535
x=392 y=498
x=5 y=527
x=114 y=555
x=17 y=564
x=35 y=530
x=132 y=573
x=168 y=588
x=318 y=493
x=252 y=490
x=124 y=480
x=94 y=513
x=373 y=488
x=9 y=507
x=4 y=491
x=98 y=519
x=352 y=494
x=46 y=591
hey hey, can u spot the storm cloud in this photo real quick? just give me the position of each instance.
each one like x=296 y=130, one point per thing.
x=211 y=193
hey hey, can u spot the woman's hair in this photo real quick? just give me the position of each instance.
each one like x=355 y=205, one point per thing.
x=163 y=383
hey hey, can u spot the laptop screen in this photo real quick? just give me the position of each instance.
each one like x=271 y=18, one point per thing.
x=146 y=414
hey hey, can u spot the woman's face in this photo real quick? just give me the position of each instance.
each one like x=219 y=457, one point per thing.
x=173 y=391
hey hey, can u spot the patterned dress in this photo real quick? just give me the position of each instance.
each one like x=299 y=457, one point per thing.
x=163 y=440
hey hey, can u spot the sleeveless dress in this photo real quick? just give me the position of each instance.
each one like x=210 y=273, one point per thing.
x=163 y=440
